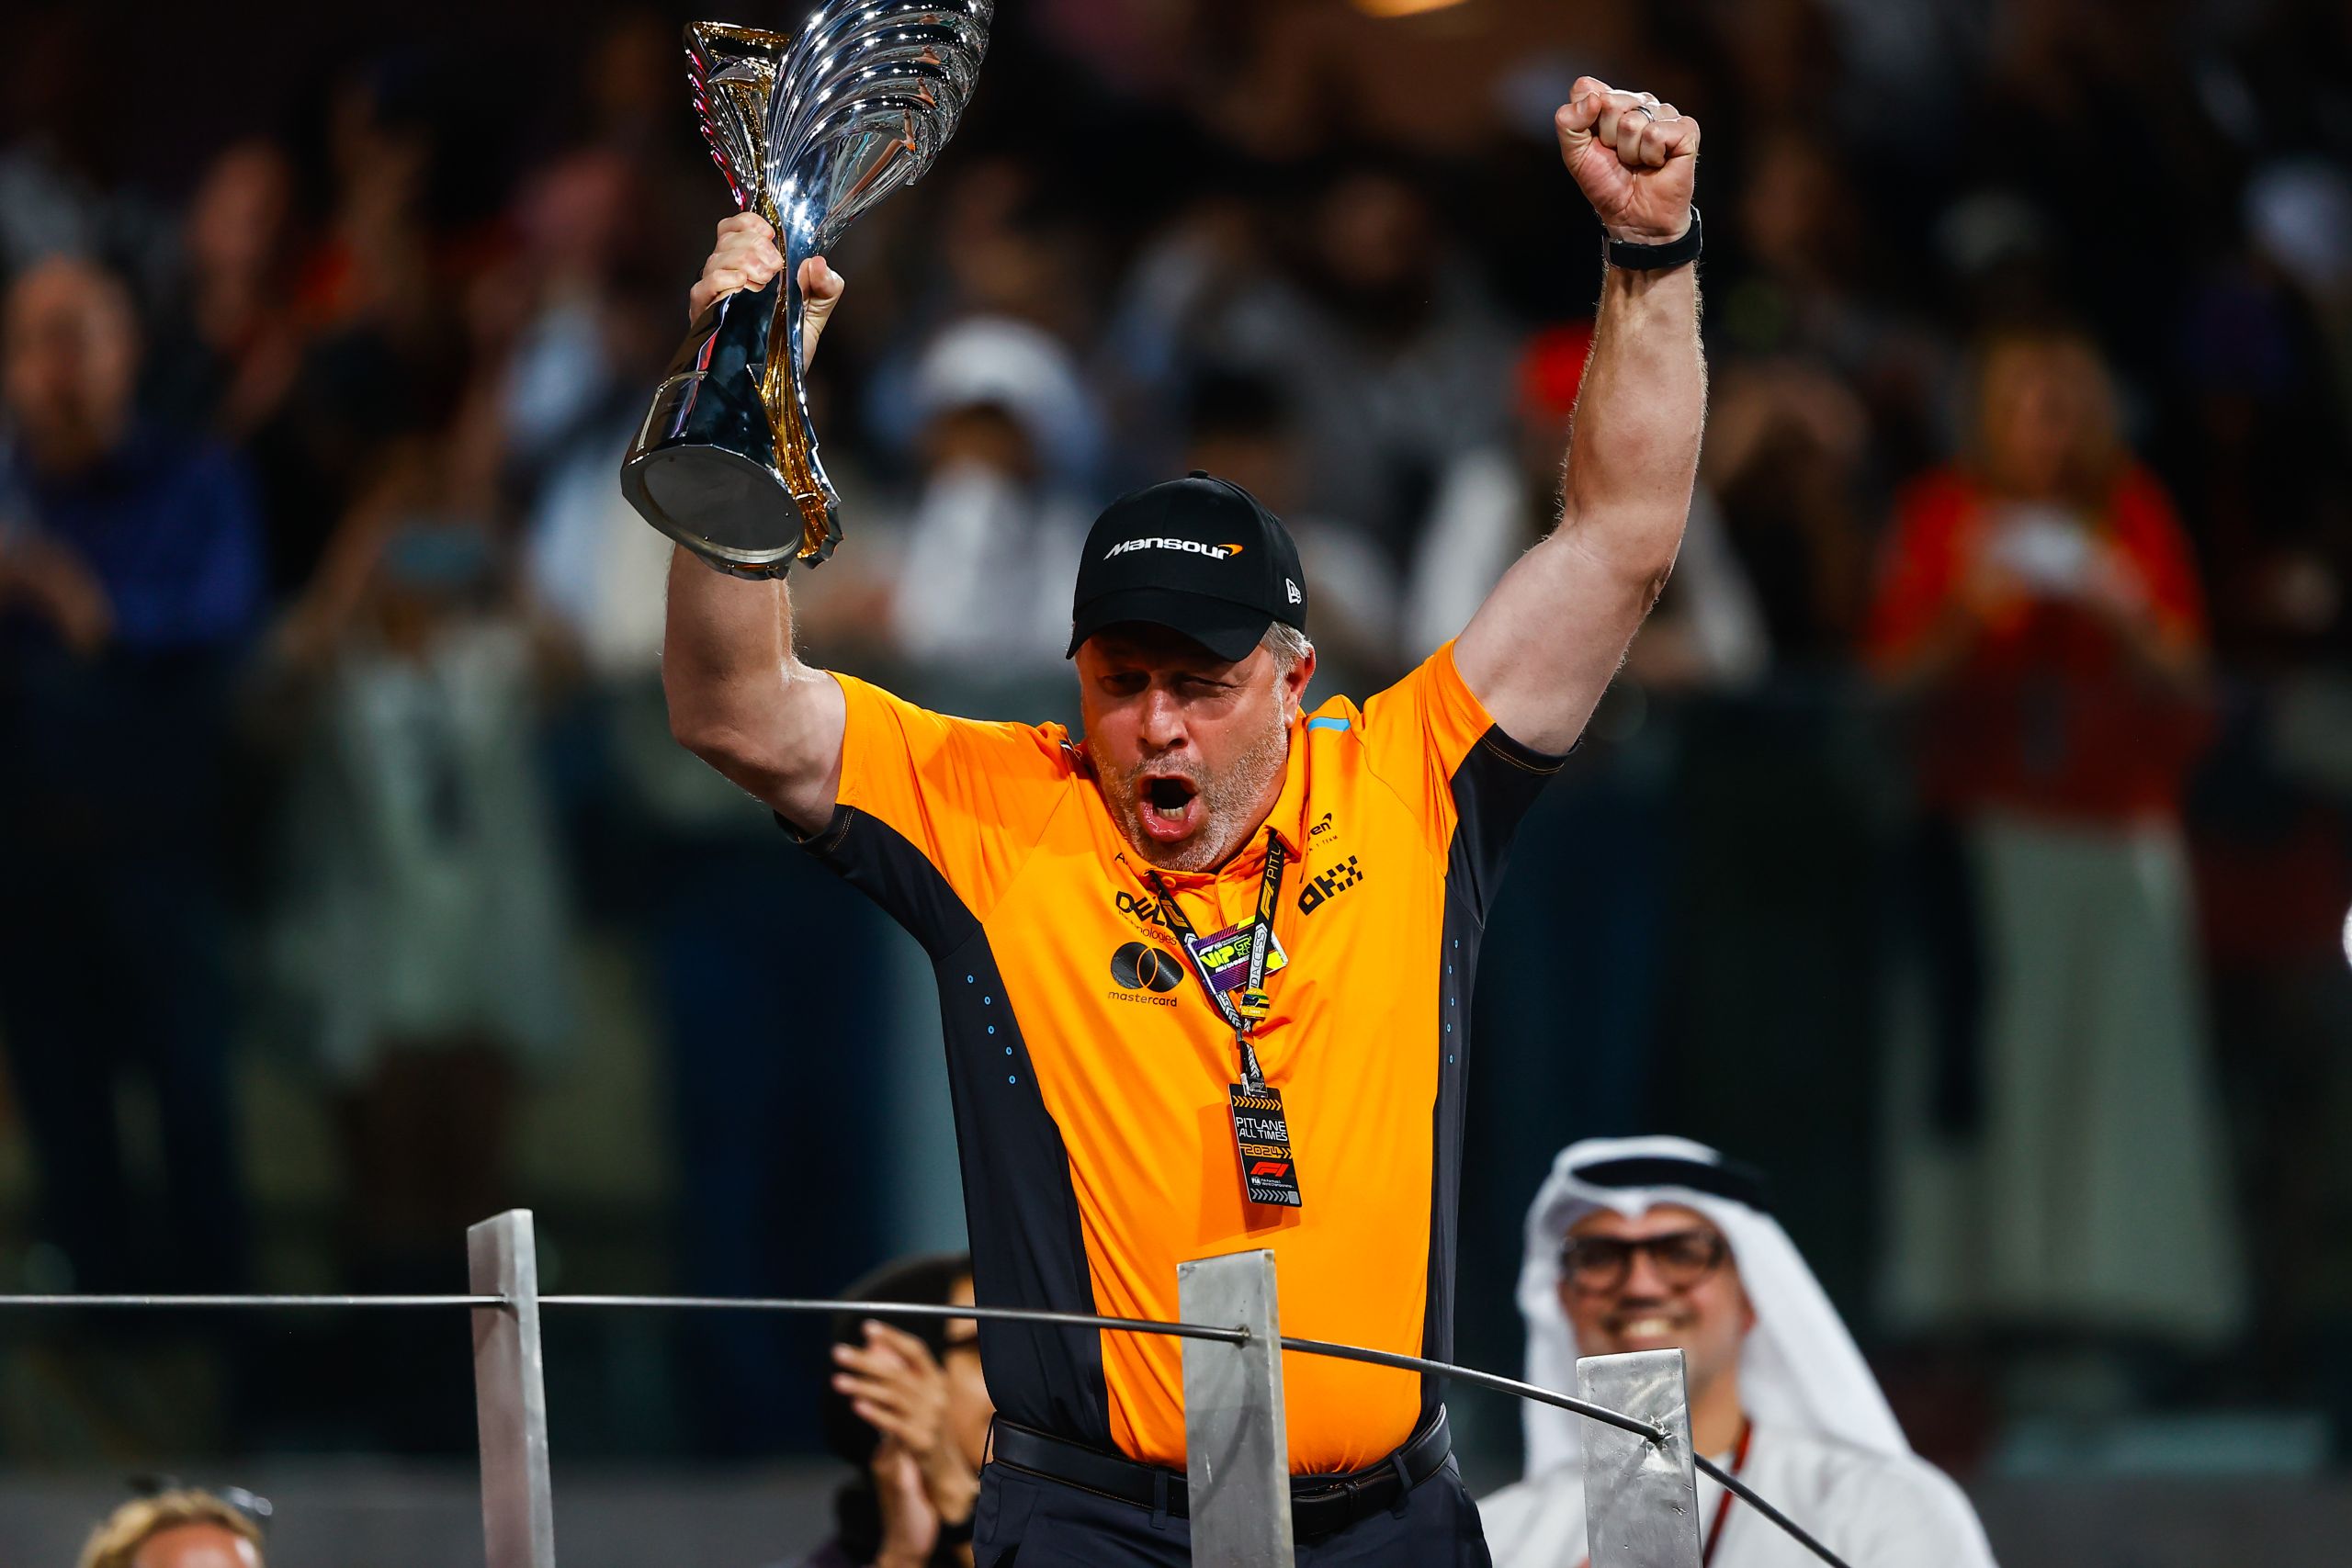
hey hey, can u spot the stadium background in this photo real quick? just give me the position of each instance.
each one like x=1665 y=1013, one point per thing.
x=416 y=268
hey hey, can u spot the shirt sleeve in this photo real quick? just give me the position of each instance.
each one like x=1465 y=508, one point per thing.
x=1431 y=740
x=936 y=815
x=1912 y=1514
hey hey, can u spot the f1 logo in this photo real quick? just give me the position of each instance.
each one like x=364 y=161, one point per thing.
x=1268 y=1168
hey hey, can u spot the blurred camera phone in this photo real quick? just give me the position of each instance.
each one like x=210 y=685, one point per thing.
x=2047 y=546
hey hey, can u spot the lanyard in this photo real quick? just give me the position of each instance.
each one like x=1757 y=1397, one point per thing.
x=1723 y=1505
x=1244 y=1015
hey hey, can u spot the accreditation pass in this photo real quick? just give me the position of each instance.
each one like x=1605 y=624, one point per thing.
x=1262 y=1135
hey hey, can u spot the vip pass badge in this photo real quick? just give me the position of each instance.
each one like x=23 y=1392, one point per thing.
x=1260 y=1127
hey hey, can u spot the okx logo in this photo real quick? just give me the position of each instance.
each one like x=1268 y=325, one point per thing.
x=1140 y=968
x=1321 y=888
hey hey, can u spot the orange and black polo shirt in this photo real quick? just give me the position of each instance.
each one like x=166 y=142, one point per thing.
x=1090 y=1073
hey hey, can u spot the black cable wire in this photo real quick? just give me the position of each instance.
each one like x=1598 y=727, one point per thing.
x=167 y=1303
x=1746 y=1494
x=1527 y=1391
x=912 y=1309
x=1234 y=1336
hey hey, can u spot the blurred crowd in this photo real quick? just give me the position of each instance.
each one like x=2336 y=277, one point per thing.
x=1969 y=838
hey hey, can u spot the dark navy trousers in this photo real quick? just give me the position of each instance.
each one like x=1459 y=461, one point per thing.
x=1028 y=1521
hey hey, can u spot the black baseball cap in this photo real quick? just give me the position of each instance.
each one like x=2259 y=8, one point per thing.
x=1198 y=555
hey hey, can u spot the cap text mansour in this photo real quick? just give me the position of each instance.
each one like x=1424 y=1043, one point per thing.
x=1215 y=552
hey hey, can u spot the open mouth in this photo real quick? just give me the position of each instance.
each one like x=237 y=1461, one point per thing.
x=1170 y=805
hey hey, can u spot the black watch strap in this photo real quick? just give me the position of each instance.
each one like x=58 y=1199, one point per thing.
x=960 y=1532
x=1658 y=258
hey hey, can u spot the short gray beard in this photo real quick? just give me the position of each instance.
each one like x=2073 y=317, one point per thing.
x=1230 y=802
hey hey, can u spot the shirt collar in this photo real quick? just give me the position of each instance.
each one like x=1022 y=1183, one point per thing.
x=1288 y=818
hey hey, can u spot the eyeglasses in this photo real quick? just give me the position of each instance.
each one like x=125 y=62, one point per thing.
x=1594 y=1264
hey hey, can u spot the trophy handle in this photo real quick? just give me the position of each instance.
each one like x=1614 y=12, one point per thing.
x=784 y=388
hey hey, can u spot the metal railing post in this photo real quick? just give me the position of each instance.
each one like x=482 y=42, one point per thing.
x=1640 y=1499
x=1237 y=1448
x=510 y=1394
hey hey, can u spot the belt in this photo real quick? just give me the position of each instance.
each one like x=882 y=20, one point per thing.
x=1319 y=1505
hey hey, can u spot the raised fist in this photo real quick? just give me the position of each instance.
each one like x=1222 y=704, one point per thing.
x=1633 y=157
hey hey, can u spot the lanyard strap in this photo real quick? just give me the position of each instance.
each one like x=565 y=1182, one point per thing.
x=1723 y=1505
x=1240 y=1017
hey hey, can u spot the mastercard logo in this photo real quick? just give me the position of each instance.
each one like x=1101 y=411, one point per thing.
x=1138 y=967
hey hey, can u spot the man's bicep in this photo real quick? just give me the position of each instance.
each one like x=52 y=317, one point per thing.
x=812 y=727
x=1545 y=646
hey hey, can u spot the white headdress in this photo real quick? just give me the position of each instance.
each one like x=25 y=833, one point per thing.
x=1799 y=1369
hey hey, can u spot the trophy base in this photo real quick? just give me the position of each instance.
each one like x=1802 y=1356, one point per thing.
x=737 y=507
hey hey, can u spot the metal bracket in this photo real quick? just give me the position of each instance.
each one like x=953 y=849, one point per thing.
x=1237 y=1448
x=1641 y=1500
x=510 y=1394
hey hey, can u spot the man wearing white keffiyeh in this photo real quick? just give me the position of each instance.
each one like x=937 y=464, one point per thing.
x=1642 y=1244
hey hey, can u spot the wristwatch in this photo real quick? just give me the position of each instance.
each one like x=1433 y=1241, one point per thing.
x=1673 y=252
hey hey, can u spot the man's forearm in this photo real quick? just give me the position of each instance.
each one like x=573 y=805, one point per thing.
x=723 y=646
x=740 y=700
x=1634 y=453
x=1546 y=642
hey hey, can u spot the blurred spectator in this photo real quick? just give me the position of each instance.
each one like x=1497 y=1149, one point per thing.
x=985 y=580
x=423 y=930
x=1787 y=440
x=420 y=930
x=578 y=288
x=175 y=1529
x=229 y=347
x=129 y=579
x=1382 y=342
x=908 y=1409
x=2265 y=354
x=2040 y=605
x=61 y=148
x=1816 y=296
x=382 y=352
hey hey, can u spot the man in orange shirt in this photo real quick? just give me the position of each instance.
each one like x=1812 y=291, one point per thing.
x=1206 y=973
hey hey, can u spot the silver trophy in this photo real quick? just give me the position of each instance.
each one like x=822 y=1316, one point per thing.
x=810 y=131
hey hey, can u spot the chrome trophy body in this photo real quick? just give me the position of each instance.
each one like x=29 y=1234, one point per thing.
x=810 y=131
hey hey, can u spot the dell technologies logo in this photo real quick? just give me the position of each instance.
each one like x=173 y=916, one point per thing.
x=1191 y=547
